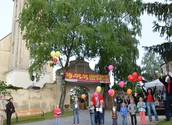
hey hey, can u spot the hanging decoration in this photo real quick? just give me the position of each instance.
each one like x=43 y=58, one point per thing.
x=55 y=56
x=134 y=77
x=111 y=76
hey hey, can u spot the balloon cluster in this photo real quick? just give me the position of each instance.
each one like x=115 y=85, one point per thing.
x=55 y=56
x=134 y=77
x=111 y=92
x=98 y=89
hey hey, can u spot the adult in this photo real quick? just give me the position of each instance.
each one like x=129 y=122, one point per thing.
x=118 y=101
x=123 y=100
x=2 y=109
x=82 y=101
x=10 y=110
x=144 y=97
x=168 y=86
x=150 y=102
x=76 y=111
x=128 y=100
x=163 y=93
x=96 y=102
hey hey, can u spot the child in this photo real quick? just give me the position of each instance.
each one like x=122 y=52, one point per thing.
x=124 y=113
x=57 y=112
x=92 y=114
x=76 y=111
x=114 y=115
x=132 y=109
x=101 y=112
x=142 y=109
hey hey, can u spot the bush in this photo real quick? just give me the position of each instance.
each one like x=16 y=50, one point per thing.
x=3 y=88
x=13 y=87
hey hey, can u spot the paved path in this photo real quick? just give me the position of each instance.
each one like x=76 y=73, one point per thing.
x=85 y=120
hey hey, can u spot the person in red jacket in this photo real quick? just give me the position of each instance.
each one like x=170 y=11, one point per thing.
x=150 y=102
x=57 y=112
x=96 y=101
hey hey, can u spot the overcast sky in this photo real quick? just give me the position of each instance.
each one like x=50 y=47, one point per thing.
x=148 y=37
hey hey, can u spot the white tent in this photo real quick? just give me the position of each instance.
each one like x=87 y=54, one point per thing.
x=152 y=84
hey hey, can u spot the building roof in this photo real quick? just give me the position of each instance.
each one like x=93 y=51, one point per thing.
x=5 y=36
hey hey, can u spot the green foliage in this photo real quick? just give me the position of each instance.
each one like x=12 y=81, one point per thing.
x=84 y=29
x=129 y=85
x=13 y=87
x=116 y=87
x=77 y=92
x=3 y=88
x=163 y=13
x=49 y=115
x=151 y=63
x=163 y=123
x=164 y=49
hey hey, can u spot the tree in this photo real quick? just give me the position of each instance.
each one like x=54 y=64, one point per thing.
x=165 y=50
x=82 y=28
x=163 y=13
x=3 y=88
x=77 y=91
x=151 y=63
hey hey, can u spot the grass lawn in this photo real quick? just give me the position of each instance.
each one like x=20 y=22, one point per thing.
x=164 y=123
x=49 y=115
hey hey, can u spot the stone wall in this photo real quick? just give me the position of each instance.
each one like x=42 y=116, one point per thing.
x=44 y=98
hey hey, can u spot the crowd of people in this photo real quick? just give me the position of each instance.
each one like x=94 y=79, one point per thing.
x=125 y=105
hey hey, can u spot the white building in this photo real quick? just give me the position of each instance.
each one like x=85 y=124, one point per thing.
x=15 y=58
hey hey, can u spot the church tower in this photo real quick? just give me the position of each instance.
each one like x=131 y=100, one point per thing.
x=19 y=60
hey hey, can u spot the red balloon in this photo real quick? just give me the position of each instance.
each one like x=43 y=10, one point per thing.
x=135 y=74
x=139 y=78
x=132 y=78
x=129 y=77
x=55 y=60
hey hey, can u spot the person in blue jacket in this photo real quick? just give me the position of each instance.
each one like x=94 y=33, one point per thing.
x=124 y=112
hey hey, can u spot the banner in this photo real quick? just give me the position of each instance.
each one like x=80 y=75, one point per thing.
x=86 y=77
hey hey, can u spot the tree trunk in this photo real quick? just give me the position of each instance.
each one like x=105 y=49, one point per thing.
x=63 y=95
x=105 y=96
x=167 y=65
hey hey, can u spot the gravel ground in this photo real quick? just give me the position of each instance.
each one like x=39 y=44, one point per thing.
x=85 y=120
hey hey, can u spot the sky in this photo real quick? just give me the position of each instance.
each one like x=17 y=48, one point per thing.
x=148 y=37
